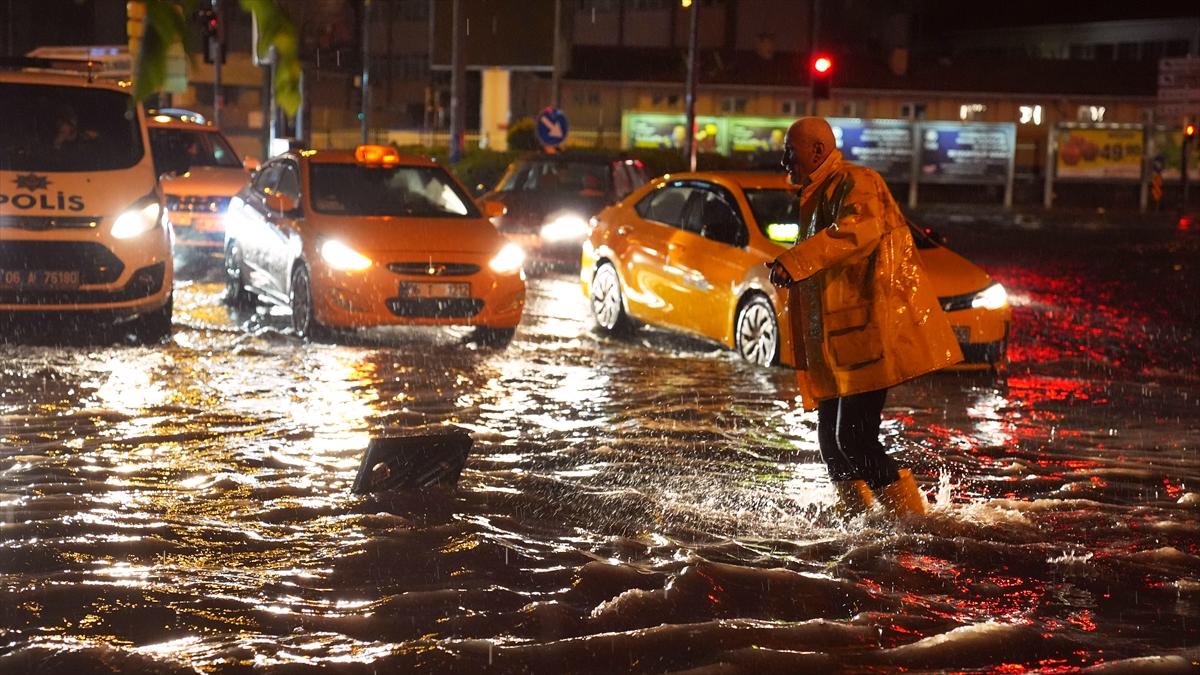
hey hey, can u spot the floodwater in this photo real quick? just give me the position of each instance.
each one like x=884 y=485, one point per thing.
x=648 y=504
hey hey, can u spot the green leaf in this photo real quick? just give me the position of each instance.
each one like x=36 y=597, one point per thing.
x=275 y=29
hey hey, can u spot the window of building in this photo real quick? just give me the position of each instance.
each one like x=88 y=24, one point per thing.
x=1128 y=51
x=1030 y=114
x=912 y=111
x=1176 y=48
x=598 y=5
x=793 y=107
x=1104 y=52
x=1090 y=113
x=414 y=10
x=733 y=104
x=649 y=4
x=971 y=111
x=851 y=108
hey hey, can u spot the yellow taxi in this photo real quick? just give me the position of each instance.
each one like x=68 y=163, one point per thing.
x=687 y=252
x=366 y=237
x=200 y=172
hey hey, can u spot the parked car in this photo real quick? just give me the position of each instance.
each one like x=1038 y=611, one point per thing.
x=549 y=198
x=82 y=232
x=200 y=173
x=366 y=237
x=688 y=252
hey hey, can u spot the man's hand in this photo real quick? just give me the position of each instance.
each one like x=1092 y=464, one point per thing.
x=779 y=275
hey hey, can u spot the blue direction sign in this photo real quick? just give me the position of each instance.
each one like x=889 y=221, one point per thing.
x=551 y=127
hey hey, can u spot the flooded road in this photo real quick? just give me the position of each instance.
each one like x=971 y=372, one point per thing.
x=650 y=504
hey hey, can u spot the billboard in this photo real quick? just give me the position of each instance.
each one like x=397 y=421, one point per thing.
x=1109 y=153
x=883 y=145
x=959 y=152
x=666 y=131
x=1168 y=145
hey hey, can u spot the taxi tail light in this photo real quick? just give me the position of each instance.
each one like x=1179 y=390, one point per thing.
x=376 y=155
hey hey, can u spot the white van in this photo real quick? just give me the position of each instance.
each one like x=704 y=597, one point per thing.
x=82 y=231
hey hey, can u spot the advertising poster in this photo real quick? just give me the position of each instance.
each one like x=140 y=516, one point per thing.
x=1100 y=153
x=1167 y=150
x=955 y=152
x=660 y=131
x=883 y=145
x=751 y=135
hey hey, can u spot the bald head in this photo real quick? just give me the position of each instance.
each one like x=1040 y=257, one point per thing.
x=809 y=141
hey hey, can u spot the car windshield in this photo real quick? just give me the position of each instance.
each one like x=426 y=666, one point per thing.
x=556 y=176
x=63 y=128
x=777 y=212
x=178 y=150
x=418 y=191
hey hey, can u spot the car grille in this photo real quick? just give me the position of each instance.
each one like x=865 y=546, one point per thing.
x=445 y=269
x=436 y=308
x=96 y=264
x=145 y=282
x=197 y=203
x=49 y=222
x=953 y=303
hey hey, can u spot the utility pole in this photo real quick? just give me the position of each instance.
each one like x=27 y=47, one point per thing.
x=556 y=55
x=365 y=114
x=216 y=49
x=458 y=81
x=690 y=97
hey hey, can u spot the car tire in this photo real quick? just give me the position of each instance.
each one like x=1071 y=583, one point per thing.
x=154 y=327
x=494 y=337
x=236 y=293
x=304 y=319
x=756 y=331
x=608 y=305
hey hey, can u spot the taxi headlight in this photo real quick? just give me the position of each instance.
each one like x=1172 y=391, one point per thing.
x=137 y=220
x=341 y=257
x=992 y=297
x=508 y=260
x=565 y=227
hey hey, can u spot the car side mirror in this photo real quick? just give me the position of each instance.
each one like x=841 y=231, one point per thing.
x=251 y=163
x=278 y=202
x=493 y=209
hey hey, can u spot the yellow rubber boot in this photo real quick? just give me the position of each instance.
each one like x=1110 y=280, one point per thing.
x=854 y=497
x=903 y=497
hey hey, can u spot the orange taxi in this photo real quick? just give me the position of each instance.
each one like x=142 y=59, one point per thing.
x=200 y=173
x=366 y=237
x=687 y=252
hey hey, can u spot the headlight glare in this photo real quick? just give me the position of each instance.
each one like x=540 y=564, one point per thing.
x=508 y=260
x=565 y=227
x=343 y=258
x=136 y=220
x=992 y=297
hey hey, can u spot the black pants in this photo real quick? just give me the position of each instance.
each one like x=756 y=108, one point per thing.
x=848 y=434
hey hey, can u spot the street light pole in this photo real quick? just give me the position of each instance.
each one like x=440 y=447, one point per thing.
x=365 y=113
x=217 y=52
x=691 y=86
x=458 y=81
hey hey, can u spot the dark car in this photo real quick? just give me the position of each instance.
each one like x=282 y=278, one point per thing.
x=550 y=197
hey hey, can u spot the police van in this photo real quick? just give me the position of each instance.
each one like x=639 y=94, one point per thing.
x=82 y=226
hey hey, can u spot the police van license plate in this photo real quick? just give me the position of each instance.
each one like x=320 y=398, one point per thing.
x=39 y=278
x=423 y=289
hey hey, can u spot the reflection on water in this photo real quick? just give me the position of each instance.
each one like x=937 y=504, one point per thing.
x=646 y=504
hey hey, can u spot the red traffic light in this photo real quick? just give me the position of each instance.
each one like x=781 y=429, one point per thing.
x=822 y=64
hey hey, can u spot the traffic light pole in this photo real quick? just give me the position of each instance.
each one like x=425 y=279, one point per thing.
x=365 y=114
x=216 y=48
x=691 y=87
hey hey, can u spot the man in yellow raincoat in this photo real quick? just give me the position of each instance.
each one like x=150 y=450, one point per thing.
x=864 y=317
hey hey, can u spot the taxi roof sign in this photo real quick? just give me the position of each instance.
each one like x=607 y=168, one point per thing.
x=376 y=155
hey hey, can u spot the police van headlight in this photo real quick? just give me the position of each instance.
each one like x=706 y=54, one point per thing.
x=992 y=297
x=508 y=260
x=137 y=220
x=565 y=227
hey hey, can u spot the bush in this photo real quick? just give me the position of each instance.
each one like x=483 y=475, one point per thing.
x=523 y=136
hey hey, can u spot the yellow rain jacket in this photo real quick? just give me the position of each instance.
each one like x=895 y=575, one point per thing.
x=863 y=314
